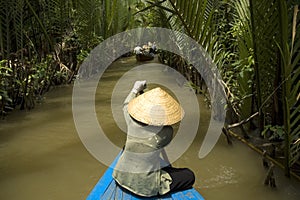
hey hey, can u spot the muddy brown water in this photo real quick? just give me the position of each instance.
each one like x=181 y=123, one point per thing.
x=42 y=157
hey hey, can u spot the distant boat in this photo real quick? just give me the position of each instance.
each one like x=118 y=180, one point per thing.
x=144 y=57
x=107 y=189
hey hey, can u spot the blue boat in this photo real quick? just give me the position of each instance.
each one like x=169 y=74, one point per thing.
x=107 y=189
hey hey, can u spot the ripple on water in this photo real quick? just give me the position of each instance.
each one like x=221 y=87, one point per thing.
x=220 y=176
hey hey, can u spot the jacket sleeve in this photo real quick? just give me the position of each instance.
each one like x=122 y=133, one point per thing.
x=130 y=96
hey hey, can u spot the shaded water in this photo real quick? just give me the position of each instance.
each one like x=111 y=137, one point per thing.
x=42 y=157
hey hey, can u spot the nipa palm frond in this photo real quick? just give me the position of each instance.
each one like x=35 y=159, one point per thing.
x=195 y=19
x=294 y=83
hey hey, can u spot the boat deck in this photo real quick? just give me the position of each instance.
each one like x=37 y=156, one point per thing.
x=107 y=189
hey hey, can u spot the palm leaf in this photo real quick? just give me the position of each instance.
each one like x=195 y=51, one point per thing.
x=294 y=86
x=194 y=18
x=290 y=72
x=265 y=23
x=18 y=23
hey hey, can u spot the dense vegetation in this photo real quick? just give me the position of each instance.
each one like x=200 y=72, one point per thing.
x=254 y=43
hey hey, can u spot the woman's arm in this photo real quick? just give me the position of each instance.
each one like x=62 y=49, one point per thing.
x=138 y=87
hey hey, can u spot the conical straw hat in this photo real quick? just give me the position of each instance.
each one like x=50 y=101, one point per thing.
x=155 y=107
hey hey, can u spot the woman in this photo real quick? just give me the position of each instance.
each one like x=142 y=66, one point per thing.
x=140 y=168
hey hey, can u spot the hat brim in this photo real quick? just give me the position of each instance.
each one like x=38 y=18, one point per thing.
x=156 y=107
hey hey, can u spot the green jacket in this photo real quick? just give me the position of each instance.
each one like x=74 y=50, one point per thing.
x=139 y=167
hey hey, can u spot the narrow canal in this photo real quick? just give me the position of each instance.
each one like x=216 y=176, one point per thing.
x=42 y=157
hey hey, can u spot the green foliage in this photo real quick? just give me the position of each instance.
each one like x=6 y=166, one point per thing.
x=290 y=61
x=265 y=22
x=33 y=30
x=196 y=19
x=145 y=15
x=255 y=44
x=41 y=76
x=238 y=70
x=224 y=30
x=82 y=55
x=277 y=132
x=5 y=74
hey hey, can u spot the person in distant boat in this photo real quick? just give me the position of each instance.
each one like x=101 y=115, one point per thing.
x=144 y=168
x=153 y=48
x=138 y=50
x=145 y=47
